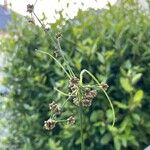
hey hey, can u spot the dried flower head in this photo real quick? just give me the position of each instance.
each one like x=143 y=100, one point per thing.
x=49 y=124
x=73 y=84
x=104 y=86
x=54 y=108
x=71 y=120
x=30 y=8
x=90 y=94
x=86 y=102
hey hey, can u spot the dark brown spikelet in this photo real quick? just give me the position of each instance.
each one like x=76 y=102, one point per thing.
x=90 y=94
x=71 y=120
x=86 y=102
x=30 y=8
x=73 y=84
x=104 y=86
x=49 y=124
x=54 y=108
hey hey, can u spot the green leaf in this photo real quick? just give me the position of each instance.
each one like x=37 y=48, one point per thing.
x=117 y=143
x=136 y=78
x=96 y=116
x=126 y=84
x=105 y=139
x=138 y=97
x=121 y=105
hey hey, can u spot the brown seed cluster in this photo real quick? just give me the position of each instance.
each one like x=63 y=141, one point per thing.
x=73 y=84
x=30 y=8
x=87 y=94
x=104 y=86
x=49 y=124
x=88 y=97
x=54 y=108
x=71 y=120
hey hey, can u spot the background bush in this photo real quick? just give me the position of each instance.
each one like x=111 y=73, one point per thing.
x=114 y=45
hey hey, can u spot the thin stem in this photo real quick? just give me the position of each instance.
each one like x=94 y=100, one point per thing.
x=112 y=107
x=43 y=27
x=39 y=20
x=56 y=62
x=93 y=77
x=60 y=49
x=61 y=92
x=65 y=102
x=81 y=128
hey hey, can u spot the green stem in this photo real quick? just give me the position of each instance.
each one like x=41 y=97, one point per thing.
x=81 y=128
x=61 y=92
x=56 y=61
x=60 y=49
x=93 y=77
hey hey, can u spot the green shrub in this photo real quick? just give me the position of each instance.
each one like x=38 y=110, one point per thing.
x=114 y=45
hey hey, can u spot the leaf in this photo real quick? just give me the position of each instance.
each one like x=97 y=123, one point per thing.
x=96 y=116
x=117 y=143
x=105 y=139
x=126 y=84
x=138 y=97
x=101 y=58
x=136 y=78
x=121 y=105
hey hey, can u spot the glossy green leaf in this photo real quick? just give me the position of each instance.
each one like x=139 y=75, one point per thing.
x=105 y=139
x=125 y=83
x=138 y=97
x=136 y=78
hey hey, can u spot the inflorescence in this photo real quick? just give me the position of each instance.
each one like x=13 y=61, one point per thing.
x=79 y=94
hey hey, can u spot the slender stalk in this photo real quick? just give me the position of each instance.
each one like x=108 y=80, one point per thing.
x=81 y=128
x=56 y=62
x=93 y=77
x=60 y=49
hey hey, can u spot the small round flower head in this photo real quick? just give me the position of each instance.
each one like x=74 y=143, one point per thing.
x=74 y=80
x=73 y=84
x=104 y=86
x=54 y=107
x=58 y=35
x=71 y=120
x=86 y=102
x=90 y=94
x=49 y=124
x=30 y=8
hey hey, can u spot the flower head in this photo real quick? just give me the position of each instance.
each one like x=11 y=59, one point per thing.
x=49 y=124
x=71 y=120
x=30 y=8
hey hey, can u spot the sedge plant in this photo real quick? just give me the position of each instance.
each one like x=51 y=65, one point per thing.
x=79 y=94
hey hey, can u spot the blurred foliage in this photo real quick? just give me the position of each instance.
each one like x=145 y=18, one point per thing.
x=114 y=45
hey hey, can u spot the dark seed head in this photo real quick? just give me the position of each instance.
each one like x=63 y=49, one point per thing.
x=71 y=120
x=54 y=107
x=104 y=86
x=91 y=94
x=86 y=102
x=30 y=8
x=49 y=124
